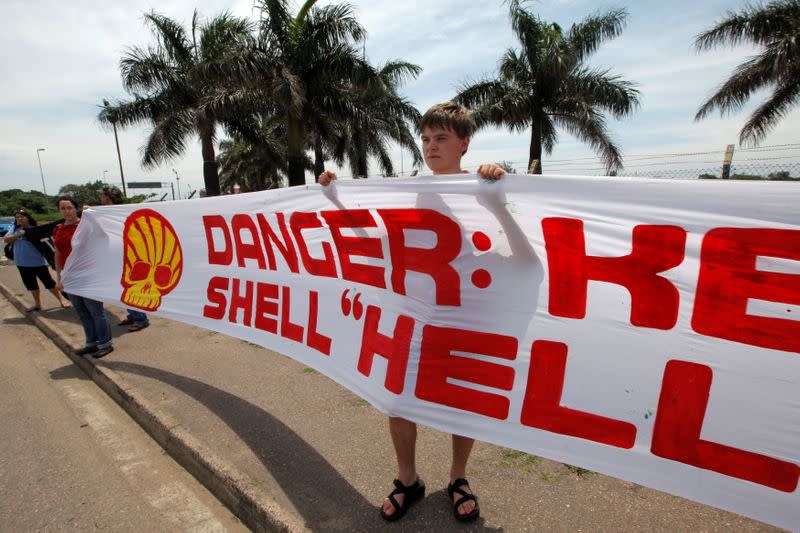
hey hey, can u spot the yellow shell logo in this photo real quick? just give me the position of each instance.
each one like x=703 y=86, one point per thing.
x=153 y=259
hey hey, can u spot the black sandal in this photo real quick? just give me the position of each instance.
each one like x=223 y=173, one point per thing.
x=411 y=493
x=455 y=487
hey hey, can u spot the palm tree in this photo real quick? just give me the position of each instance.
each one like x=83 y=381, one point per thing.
x=386 y=117
x=306 y=63
x=256 y=162
x=547 y=85
x=776 y=29
x=170 y=81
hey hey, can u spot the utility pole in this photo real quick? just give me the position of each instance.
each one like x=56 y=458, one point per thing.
x=119 y=157
x=41 y=173
x=179 y=183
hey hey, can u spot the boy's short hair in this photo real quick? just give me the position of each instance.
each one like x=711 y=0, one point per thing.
x=449 y=115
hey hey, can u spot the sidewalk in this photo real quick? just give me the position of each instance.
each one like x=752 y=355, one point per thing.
x=288 y=449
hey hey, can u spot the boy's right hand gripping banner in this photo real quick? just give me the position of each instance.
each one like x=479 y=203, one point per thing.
x=646 y=329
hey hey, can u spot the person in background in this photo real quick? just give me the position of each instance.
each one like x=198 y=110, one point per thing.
x=91 y=313
x=30 y=261
x=136 y=320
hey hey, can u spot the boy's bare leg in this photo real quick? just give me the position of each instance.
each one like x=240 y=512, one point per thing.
x=37 y=299
x=404 y=439
x=462 y=447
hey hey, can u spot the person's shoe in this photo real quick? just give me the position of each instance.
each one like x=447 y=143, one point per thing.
x=102 y=352
x=456 y=488
x=85 y=350
x=126 y=322
x=411 y=493
x=32 y=309
x=138 y=326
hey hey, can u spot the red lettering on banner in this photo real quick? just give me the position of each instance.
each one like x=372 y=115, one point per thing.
x=395 y=349
x=215 y=295
x=437 y=364
x=435 y=261
x=728 y=279
x=542 y=407
x=655 y=249
x=289 y=329
x=285 y=247
x=266 y=307
x=679 y=422
x=356 y=246
x=218 y=257
x=271 y=305
x=241 y=301
x=251 y=250
x=315 y=339
x=317 y=267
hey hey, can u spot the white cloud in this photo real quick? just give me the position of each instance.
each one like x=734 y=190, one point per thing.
x=61 y=59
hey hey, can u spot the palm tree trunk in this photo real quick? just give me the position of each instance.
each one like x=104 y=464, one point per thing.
x=319 y=158
x=535 y=151
x=210 y=164
x=363 y=159
x=297 y=174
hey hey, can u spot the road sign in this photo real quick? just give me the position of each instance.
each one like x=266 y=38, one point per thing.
x=144 y=184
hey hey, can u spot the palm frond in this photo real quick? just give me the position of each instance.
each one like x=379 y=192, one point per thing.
x=171 y=38
x=747 y=78
x=146 y=70
x=584 y=38
x=604 y=91
x=763 y=119
x=168 y=139
x=589 y=127
x=758 y=24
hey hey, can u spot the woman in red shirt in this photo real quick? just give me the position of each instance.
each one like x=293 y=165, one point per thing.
x=91 y=313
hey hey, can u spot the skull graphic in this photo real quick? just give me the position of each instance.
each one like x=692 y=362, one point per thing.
x=153 y=259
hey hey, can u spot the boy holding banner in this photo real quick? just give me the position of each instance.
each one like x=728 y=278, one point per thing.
x=446 y=132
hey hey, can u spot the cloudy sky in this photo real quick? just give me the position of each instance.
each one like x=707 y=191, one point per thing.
x=62 y=59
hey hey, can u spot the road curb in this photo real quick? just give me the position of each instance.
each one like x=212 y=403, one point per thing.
x=257 y=511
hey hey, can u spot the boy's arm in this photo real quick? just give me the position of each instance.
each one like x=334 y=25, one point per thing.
x=491 y=171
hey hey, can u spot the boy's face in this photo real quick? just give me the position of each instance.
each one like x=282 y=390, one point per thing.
x=443 y=149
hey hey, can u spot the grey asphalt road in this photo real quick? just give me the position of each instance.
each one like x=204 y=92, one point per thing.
x=72 y=460
x=322 y=458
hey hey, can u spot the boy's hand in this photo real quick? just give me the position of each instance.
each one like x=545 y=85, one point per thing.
x=326 y=177
x=491 y=171
x=85 y=207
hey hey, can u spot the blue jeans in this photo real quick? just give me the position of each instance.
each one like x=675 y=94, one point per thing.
x=94 y=320
x=137 y=317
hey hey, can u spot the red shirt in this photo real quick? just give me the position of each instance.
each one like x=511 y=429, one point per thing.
x=62 y=239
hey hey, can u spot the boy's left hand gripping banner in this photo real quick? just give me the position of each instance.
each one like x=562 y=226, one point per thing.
x=646 y=329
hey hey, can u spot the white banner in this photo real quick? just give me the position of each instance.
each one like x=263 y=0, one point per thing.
x=646 y=329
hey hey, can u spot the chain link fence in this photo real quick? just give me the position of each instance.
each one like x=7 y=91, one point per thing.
x=771 y=162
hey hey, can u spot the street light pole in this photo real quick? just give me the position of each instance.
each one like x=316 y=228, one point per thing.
x=104 y=176
x=179 y=183
x=119 y=157
x=41 y=173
